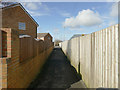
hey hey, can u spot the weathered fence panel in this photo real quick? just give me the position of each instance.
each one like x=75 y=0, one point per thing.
x=85 y=56
x=0 y=43
x=30 y=48
x=0 y=57
x=98 y=54
x=26 y=48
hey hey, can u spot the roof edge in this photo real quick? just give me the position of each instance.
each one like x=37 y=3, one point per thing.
x=24 y=10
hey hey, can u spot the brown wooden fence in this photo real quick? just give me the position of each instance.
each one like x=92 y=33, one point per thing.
x=0 y=43
x=29 y=47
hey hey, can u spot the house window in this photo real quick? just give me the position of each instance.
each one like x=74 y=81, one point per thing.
x=48 y=37
x=21 y=26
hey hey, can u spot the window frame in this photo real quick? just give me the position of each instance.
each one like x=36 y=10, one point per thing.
x=21 y=25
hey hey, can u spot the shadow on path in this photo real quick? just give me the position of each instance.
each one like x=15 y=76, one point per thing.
x=56 y=73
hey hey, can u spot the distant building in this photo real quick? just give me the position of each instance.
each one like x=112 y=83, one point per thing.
x=77 y=35
x=16 y=17
x=57 y=42
x=45 y=37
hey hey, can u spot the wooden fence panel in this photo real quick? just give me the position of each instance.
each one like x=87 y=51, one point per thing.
x=30 y=48
x=0 y=43
x=98 y=53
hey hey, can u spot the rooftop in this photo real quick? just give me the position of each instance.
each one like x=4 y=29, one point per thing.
x=6 y=5
x=77 y=35
x=42 y=34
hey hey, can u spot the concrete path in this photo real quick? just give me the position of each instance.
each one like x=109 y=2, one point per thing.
x=57 y=73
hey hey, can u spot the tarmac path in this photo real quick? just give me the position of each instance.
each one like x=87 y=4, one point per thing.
x=56 y=73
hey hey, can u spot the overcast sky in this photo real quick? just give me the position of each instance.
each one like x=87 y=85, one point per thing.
x=64 y=19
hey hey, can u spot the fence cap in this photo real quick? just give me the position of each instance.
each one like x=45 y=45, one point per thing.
x=38 y=39
x=22 y=36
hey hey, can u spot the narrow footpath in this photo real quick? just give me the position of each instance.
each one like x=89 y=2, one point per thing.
x=56 y=73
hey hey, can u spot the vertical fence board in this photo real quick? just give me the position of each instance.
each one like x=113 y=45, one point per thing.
x=103 y=50
x=102 y=58
x=0 y=43
x=113 y=57
x=116 y=60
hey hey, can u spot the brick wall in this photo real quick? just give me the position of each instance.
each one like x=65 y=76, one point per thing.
x=6 y=42
x=17 y=68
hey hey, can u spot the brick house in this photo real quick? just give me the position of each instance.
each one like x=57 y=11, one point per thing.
x=45 y=37
x=16 y=17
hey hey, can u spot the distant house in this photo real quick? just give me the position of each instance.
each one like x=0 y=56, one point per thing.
x=57 y=42
x=45 y=37
x=16 y=17
x=77 y=35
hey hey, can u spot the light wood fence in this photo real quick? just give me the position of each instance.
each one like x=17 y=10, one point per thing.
x=95 y=56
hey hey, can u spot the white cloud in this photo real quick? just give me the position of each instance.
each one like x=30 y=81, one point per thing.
x=93 y=8
x=112 y=23
x=56 y=30
x=36 y=9
x=35 y=13
x=65 y=14
x=84 y=18
x=114 y=10
x=36 y=6
x=113 y=18
x=77 y=29
x=32 y=5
